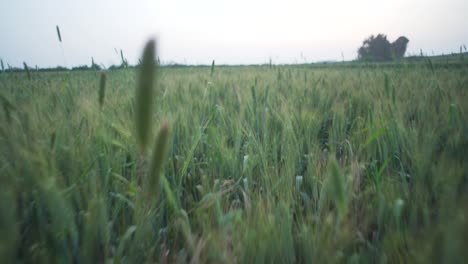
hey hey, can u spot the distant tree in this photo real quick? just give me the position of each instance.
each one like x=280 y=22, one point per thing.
x=399 y=47
x=117 y=67
x=80 y=68
x=56 y=69
x=376 y=48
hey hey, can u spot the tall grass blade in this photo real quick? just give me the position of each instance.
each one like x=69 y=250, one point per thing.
x=197 y=142
x=387 y=86
x=431 y=65
x=397 y=211
x=58 y=33
x=6 y=109
x=26 y=68
x=212 y=67
x=144 y=95
x=124 y=61
x=159 y=152
x=375 y=136
x=338 y=188
x=7 y=106
x=102 y=89
x=123 y=241
x=254 y=98
x=9 y=227
x=452 y=115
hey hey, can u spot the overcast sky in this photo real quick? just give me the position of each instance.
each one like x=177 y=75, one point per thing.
x=231 y=32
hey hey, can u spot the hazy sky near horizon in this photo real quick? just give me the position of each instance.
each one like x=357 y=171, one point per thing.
x=230 y=32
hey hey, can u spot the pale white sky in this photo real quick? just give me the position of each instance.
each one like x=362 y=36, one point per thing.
x=231 y=32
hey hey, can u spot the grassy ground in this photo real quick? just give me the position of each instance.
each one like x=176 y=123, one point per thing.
x=263 y=165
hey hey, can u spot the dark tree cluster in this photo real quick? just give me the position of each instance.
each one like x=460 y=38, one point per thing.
x=378 y=48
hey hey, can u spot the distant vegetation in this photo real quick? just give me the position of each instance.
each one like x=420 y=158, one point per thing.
x=378 y=48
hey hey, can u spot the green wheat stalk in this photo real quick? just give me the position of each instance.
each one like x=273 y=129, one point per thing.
x=6 y=108
x=144 y=102
x=26 y=68
x=144 y=95
x=59 y=36
x=124 y=61
x=102 y=89
x=94 y=66
x=157 y=160
x=58 y=33
x=452 y=110
x=212 y=67
x=387 y=86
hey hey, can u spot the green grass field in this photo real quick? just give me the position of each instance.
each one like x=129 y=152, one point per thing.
x=281 y=164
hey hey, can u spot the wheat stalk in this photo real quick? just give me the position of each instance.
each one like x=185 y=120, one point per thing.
x=58 y=33
x=159 y=151
x=26 y=68
x=144 y=95
x=212 y=67
x=102 y=89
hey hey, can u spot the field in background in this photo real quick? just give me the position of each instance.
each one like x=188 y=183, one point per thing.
x=265 y=164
